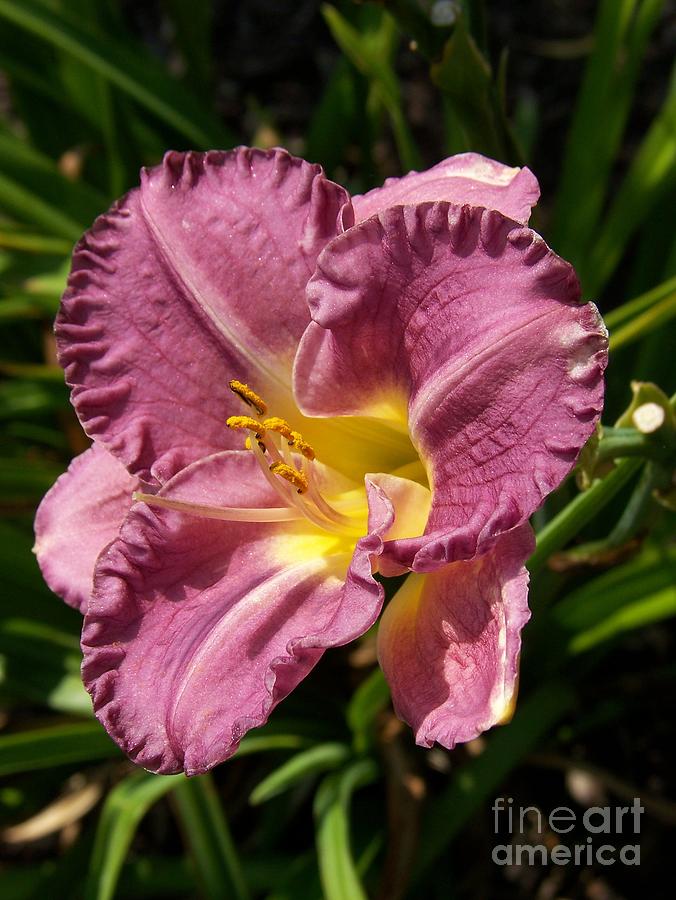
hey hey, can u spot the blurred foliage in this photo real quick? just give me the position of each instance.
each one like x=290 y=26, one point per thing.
x=93 y=89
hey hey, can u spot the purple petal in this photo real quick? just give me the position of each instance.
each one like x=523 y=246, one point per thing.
x=193 y=279
x=470 y=326
x=465 y=178
x=198 y=628
x=79 y=516
x=449 y=643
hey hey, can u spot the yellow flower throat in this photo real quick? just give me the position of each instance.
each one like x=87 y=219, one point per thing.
x=287 y=462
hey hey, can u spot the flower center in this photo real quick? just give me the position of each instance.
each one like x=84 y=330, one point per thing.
x=287 y=461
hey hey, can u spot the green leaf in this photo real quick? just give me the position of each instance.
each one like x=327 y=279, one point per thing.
x=651 y=174
x=122 y=812
x=334 y=120
x=32 y=371
x=208 y=836
x=371 y=51
x=156 y=876
x=42 y=664
x=20 y=398
x=627 y=597
x=92 y=96
x=34 y=243
x=372 y=696
x=303 y=765
x=55 y=746
x=465 y=77
x=49 y=285
x=20 y=307
x=414 y=19
x=621 y=35
x=633 y=308
x=262 y=743
x=24 y=480
x=340 y=879
x=32 y=208
x=133 y=73
x=192 y=33
x=34 y=190
x=646 y=322
x=556 y=534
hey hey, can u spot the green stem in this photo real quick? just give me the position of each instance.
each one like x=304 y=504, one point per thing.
x=556 y=534
x=628 y=523
x=618 y=443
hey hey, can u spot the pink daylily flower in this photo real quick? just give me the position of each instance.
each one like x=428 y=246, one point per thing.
x=420 y=374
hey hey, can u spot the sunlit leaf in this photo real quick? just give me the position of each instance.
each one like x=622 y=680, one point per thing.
x=207 y=833
x=621 y=35
x=651 y=174
x=340 y=878
x=122 y=812
x=55 y=746
x=625 y=598
x=304 y=765
x=135 y=75
x=370 y=51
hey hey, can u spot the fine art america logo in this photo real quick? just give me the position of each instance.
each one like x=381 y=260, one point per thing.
x=590 y=845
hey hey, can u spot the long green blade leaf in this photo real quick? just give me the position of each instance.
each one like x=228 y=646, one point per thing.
x=208 y=836
x=136 y=76
x=651 y=174
x=340 y=879
x=56 y=746
x=124 y=808
x=303 y=765
x=621 y=35
x=622 y=599
x=370 y=52
x=579 y=511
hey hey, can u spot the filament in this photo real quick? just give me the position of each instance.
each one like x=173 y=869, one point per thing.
x=228 y=513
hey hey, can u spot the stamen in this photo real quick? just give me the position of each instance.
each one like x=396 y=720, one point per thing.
x=279 y=468
x=296 y=440
x=250 y=397
x=246 y=422
x=321 y=504
x=281 y=426
x=292 y=497
x=228 y=513
x=293 y=476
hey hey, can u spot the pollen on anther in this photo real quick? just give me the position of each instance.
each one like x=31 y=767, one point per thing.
x=248 y=423
x=281 y=426
x=293 y=476
x=296 y=440
x=249 y=396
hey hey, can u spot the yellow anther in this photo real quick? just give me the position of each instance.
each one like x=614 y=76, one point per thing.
x=250 y=397
x=281 y=426
x=293 y=476
x=302 y=446
x=246 y=422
